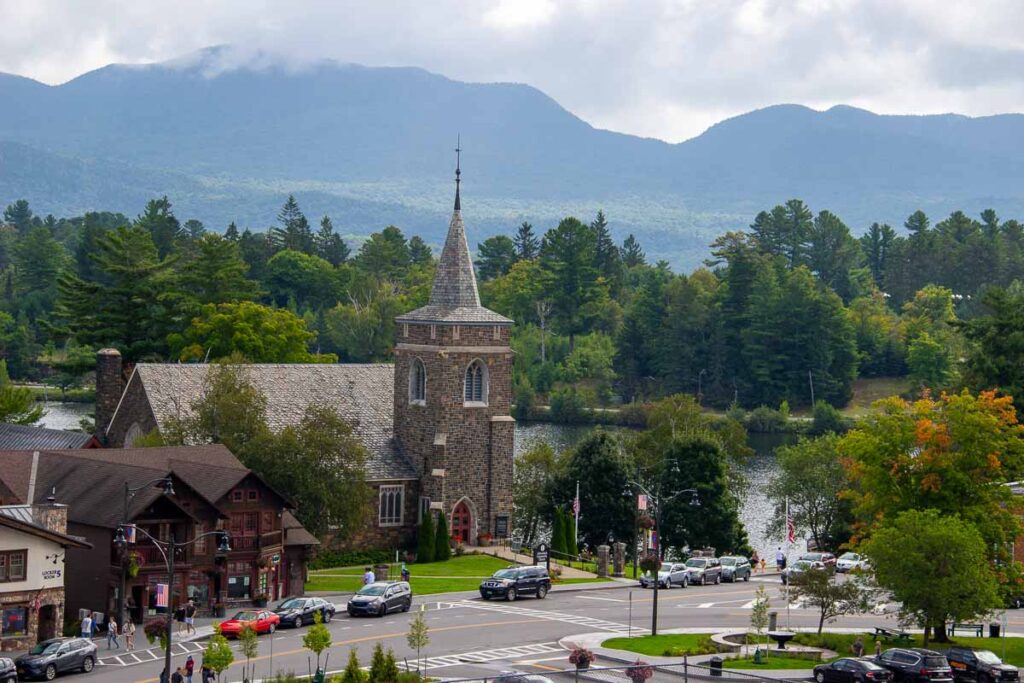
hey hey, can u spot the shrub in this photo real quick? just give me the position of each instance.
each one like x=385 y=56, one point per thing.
x=524 y=398
x=736 y=412
x=425 y=539
x=442 y=541
x=326 y=559
x=640 y=671
x=765 y=419
x=581 y=657
x=568 y=406
x=352 y=673
x=827 y=419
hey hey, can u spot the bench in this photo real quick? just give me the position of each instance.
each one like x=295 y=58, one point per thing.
x=977 y=628
x=897 y=636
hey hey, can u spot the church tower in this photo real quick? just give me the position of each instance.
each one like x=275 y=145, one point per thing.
x=453 y=392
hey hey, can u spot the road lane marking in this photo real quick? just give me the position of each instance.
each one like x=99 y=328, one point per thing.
x=705 y=605
x=575 y=619
x=597 y=597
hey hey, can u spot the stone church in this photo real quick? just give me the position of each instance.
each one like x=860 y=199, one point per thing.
x=436 y=423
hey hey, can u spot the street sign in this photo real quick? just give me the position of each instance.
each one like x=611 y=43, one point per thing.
x=541 y=555
x=501 y=526
x=641 y=502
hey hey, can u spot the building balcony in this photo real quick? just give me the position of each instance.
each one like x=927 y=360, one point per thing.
x=250 y=544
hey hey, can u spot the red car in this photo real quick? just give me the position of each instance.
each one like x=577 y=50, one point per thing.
x=260 y=620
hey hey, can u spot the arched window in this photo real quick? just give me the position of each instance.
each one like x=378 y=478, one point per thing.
x=417 y=382
x=132 y=435
x=476 y=383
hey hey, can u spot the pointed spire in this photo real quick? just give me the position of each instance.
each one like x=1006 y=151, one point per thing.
x=458 y=171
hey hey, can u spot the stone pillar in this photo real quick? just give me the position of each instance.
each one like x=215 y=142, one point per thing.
x=602 y=561
x=52 y=516
x=108 y=388
x=619 y=559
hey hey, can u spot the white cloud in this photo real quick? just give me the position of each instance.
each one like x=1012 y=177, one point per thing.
x=665 y=68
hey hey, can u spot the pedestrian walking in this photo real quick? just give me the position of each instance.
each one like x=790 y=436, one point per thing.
x=112 y=643
x=179 y=618
x=87 y=626
x=857 y=647
x=755 y=559
x=878 y=647
x=176 y=677
x=190 y=665
x=207 y=674
x=780 y=559
x=190 y=618
x=764 y=565
x=405 y=572
x=128 y=630
x=368 y=577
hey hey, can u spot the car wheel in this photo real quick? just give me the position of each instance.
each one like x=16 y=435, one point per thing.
x=382 y=610
x=686 y=582
x=747 y=577
x=273 y=627
x=718 y=579
x=51 y=672
x=408 y=606
x=328 y=615
x=819 y=676
x=984 y=678
x=542 y=590
x=511 y=594
x=87 y=664
x=668 y=584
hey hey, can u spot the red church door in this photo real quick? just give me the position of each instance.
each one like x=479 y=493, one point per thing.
x=461 y=522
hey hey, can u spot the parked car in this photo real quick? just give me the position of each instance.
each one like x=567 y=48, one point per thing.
x=8 y=671
x=827 y=559
x=916 y=665
x=300 y=611
x=798 y=568
x=259 y=620
x=851 y=670
x=850 y=561
x=735 y=568
x=704 y=570
x=380 y=598
x=512 y=582
x=57 y=656
x=980 y=666
x=669 y=574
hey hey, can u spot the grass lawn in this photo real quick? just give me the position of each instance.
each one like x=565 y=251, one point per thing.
x=668 y=645
x=840 y=642
x=773 y=661
x=457 y=574
x=867 y=390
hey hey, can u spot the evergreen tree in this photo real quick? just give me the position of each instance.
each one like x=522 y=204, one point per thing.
x=425 y=539
x=526 y=242
x=795 y=232
x=496 y=257
x=294 y=232
x=232 y=232
x=632 y=254
x=877 y=244
x=329 y=245
x=917 y=223
x=557 y=534
x=159 y=221
x=217 y=273
x=568 y=253
x=419 y=252
x=385 y=255
x=377 y=664
x=833 y=254
x=353 y=673
x=194 y=229
x=19 y=215
x=571 y=541
x=607 y=257
x=442 y=541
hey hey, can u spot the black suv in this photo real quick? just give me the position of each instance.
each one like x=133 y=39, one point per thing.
x=515 y=581
x=980 y=666
x=916 y=665
x=301 y=611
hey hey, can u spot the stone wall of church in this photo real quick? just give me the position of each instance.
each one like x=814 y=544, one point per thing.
x=454 y=335
x=372 y=536
x=134 y=409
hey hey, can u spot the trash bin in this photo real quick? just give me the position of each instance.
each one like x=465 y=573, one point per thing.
x=773 y=620
x=993 y=629
x=319 y=676
x=716 y=666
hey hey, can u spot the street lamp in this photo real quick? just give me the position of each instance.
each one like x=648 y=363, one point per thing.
x=129 y=492
x=656 y=502
x=167 y=550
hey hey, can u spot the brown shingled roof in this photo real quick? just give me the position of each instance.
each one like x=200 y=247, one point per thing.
x=294 y=532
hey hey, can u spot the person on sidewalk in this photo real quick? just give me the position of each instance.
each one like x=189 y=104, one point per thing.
x=112 y=643
x=857 y=648
x=128 y=630
x=179 y=618
x=190 y=619
x=190 y=665
x=176 y=677
x=755 y=559
x=207 y=674
x=780 y=559
x=87 y=626
x=368 y=577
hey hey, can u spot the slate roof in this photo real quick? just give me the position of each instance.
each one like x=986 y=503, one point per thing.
x=19 y=518
x=454 y=297
x=362 y=394
x=22 y=437
x=294 y=532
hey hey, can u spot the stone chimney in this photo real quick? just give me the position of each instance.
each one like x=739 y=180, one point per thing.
x=109 y=385
x=51 y=514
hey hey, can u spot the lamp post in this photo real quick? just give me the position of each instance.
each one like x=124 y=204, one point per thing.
x=167 y=549
x=656 y=502
x=129 y=493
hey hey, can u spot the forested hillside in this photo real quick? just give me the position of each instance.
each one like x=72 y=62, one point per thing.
x=790 y=305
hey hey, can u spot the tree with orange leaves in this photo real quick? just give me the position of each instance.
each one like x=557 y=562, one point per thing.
x=953 y=454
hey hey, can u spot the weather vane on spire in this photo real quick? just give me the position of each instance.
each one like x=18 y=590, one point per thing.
x=458 y=170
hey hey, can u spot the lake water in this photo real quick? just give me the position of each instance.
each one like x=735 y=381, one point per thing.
x=755 y=510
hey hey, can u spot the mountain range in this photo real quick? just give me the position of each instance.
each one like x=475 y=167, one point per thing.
x=373 y=146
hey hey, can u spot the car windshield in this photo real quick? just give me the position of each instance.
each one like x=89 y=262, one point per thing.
x=44 y=649
x=372 y=589
x=937 y=662
x=813 y=557
x=853 y=557
x=666 y=567
x=506 y=574
x=803 y=564
x=987 y=656
x=294 y=603
x=245 y=616
x=729 y=561
x=699 y=564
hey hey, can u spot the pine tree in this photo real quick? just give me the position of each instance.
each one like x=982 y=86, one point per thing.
x=389 y=672
x=557 y=534
x=329 y=245
x=570 y=535
x=232 y=232
x=353 y=673
x=526 y=242
x=425 y=539
x=632 y=254
x=419 y=252
x=442 y=542
x=294 y=233
x=377 y=664
x=159 y=221
x=607 y=257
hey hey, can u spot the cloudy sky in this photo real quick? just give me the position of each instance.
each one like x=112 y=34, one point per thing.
x=662 y=68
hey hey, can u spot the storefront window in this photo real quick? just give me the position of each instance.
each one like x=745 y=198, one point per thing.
x=15 y=621
x=239 y=579
x=198 y=588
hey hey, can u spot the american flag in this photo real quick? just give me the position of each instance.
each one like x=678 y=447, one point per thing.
x=161 y=595
x=790 y=528
x=576 y=501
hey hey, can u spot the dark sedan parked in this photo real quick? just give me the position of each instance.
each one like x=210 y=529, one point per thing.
x=980 y=666
x=850 y=670
x=381 y=598
x=8 y=671
x=515 y=581
x=57 y=656
x=301 y=611
x=916 y=665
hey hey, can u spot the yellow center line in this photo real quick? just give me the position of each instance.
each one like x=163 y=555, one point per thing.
x=363 y=639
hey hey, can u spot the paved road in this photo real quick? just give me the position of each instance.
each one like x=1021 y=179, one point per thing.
x=473 y=638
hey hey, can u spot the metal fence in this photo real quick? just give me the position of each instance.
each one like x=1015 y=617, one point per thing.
x=683 y=672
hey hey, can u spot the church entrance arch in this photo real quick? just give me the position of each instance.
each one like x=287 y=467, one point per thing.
x=462 y=522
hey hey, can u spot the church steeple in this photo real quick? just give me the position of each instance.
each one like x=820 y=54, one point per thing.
x=458 y=172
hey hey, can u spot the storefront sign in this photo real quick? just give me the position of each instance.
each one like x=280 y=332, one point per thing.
x=541 y=555
x=51 y=574
x=501 y=526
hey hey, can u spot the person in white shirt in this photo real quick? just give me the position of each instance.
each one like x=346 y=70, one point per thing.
x=87 y=626
x=368 y=577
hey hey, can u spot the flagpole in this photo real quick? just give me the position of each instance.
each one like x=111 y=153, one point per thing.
x=576 y=514
x=787 y=562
